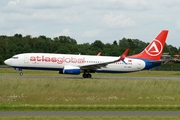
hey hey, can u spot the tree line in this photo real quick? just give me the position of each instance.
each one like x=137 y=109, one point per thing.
x=11 y=45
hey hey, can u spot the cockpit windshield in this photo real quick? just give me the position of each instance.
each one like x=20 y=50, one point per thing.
x=14 y=57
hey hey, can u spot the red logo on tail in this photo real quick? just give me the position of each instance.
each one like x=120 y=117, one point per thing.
x=155 y=48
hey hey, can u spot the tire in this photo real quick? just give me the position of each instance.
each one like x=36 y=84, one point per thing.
x=84 y=75
x=21 y=73
x=89 y=75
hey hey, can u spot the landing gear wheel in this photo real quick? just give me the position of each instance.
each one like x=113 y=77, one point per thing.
x=87 y=75
x=84 y=75
x=21 y=73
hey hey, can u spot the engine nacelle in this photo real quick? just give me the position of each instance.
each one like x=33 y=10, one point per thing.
x=70 y=70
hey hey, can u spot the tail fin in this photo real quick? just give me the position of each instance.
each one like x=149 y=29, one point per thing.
x=154 y=50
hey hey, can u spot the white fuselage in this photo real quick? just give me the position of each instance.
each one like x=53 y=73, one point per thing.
x=58 y=61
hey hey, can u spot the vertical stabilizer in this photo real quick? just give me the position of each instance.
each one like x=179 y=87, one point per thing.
x=154 y=50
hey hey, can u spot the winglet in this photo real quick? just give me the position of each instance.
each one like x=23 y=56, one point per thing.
x=123 y=55
x=99 y=54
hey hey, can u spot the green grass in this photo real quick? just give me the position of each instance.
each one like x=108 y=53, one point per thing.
x=90 y=118
x=68 y=94
x=88 y=94
x=57 y=91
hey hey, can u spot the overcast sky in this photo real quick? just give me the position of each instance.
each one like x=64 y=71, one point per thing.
x=90 y=20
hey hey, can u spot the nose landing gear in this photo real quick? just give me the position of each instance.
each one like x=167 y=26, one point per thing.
x=21 y=73
x=19 y=69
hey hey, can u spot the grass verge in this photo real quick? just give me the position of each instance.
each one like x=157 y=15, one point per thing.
x=89 y=108
x=91 y=118
x=88 y=94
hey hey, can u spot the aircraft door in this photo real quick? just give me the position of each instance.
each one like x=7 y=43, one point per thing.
x=26 y=59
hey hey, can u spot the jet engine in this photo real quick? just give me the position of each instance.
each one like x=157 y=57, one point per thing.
x=70 y=70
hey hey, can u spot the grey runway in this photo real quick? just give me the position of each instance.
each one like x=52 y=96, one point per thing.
x=97 y=77
x=90 y=113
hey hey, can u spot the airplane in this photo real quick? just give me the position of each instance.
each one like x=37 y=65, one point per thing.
x=75 y=64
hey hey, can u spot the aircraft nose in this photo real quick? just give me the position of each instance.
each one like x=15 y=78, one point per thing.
x=7 y=62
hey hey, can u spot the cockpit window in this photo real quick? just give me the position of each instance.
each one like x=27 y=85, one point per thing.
x=14 y=57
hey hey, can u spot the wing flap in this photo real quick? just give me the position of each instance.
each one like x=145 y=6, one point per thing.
x=104 y=64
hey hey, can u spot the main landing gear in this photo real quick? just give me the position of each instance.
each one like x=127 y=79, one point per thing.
x=86 y=75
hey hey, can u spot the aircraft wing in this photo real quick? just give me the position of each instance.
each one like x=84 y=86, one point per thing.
x=104 y=64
